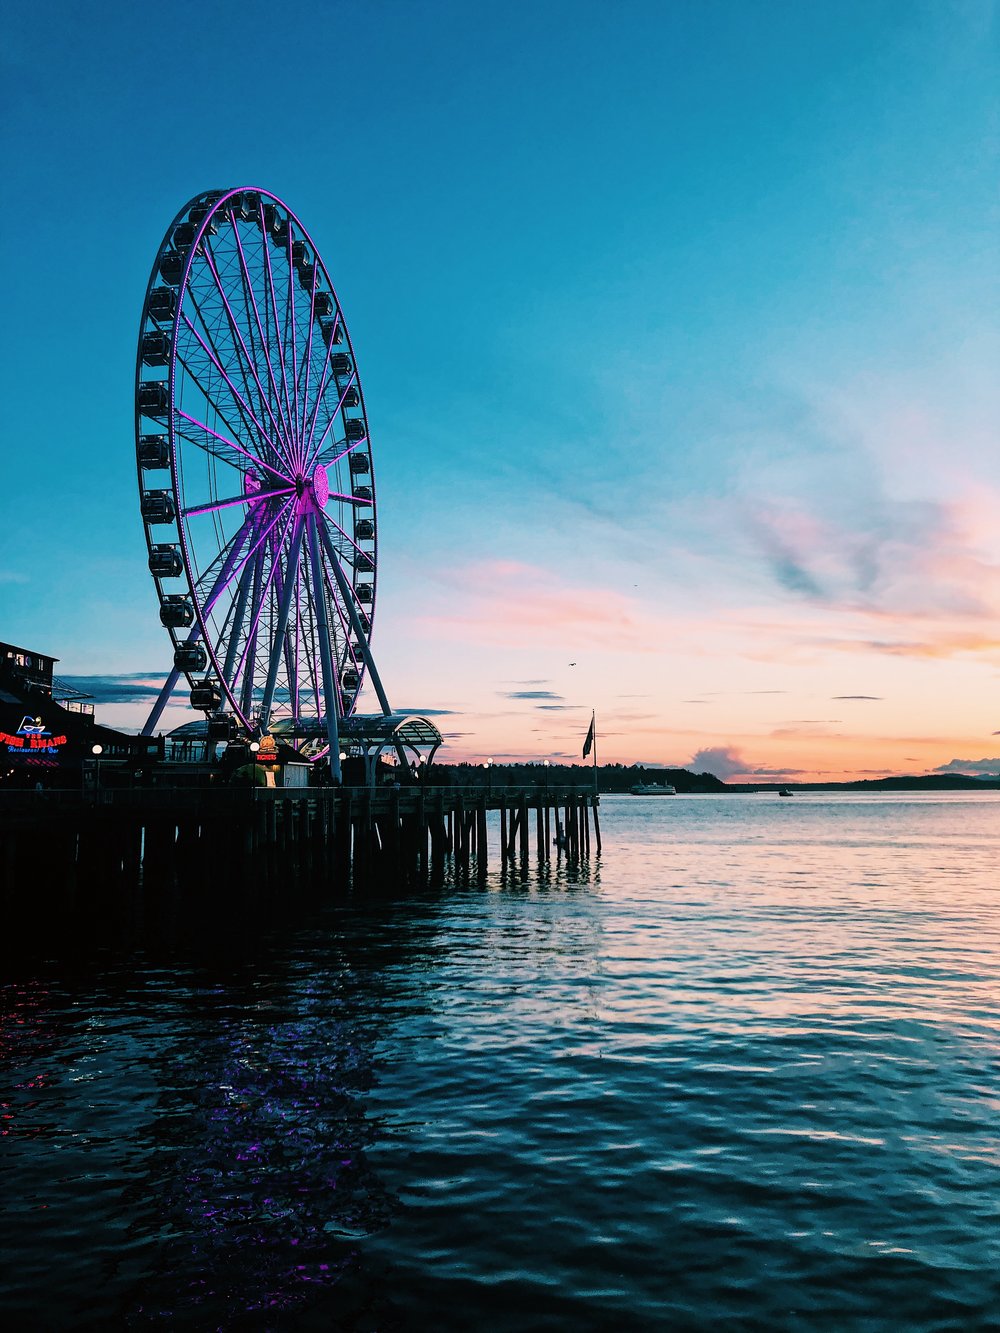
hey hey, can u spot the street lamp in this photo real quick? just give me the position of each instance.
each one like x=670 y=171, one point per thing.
x=489 y=777
x=545 y=765
x=253 y=747
x=97 y=751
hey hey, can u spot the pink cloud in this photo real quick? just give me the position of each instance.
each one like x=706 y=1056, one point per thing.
x=722 y=761
x=521 y=605
x=911 y=558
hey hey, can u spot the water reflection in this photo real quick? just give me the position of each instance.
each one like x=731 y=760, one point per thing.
x=213 y=1136
x=203 y=1083
x=256 y=1151
x=743 y=1070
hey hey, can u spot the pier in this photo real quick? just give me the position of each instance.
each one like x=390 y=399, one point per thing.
x=78 y=853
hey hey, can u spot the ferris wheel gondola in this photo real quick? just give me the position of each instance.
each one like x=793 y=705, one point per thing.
x=255 y=471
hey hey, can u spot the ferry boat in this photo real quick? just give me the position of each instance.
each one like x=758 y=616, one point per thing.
x=653 y=789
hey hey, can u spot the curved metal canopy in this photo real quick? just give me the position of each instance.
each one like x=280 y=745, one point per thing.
x=366 y=731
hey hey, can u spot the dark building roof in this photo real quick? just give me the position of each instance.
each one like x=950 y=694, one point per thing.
x=24 y=669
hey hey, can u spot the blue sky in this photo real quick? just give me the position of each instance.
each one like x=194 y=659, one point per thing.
x=677 y=326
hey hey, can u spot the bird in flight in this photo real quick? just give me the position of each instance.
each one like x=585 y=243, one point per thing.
x=572 y=664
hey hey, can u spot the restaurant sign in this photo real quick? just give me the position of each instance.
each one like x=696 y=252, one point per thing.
x=32 y=736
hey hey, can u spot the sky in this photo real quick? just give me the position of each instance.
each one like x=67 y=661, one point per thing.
x=678 y=330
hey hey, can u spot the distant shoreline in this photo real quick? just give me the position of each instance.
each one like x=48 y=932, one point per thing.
x=932 y=782
x=616 y=779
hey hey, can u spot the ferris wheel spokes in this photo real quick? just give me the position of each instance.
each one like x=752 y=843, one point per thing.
x=262 y=587
x=274 y=308
x=278 y=643
x=290 y=324
x=245 y=407
x=248 y=290
x=213 y=351
x=239 y=612
x=215 y=435
x=248 y=359
x=224 y=576
x=349 y=596
x=313 y=452
x=189 y=370
x=331 y=341
x=306 y=362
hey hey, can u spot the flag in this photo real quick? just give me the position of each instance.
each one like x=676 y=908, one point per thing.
x=589 y=742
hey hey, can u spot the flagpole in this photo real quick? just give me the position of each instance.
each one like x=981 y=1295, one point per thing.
x=591 y=744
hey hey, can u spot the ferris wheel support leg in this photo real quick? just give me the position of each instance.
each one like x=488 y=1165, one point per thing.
x=246 y=577
x=322 y=625
x=161 y=702
x=347 y=593
x=278 y=642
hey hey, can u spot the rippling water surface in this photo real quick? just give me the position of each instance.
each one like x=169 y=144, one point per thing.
x=742 y=1072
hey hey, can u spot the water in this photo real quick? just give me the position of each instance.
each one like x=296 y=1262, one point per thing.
x=745 y=1072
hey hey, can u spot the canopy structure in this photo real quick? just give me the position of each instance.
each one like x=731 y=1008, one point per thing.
x=364 y=736
x=368 y=735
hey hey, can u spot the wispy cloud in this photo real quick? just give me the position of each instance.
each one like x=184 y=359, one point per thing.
x=529 y=694
x=428 y=712
x=894 y=558
x=134 y=687
x=873 y=698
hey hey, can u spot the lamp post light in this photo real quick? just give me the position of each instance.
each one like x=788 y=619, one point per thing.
x=97 y=751
x=254 y=748
x=489 y=777
x=545 y=765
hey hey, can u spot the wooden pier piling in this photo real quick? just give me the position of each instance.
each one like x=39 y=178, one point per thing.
x=67 y=853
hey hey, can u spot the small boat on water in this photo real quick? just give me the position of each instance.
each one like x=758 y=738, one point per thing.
x=653 y=789
x=785 y=792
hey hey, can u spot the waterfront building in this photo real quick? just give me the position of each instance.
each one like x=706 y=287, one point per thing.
x=48 y=732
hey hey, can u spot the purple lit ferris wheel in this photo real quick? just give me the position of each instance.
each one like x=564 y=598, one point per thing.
x=255 y=473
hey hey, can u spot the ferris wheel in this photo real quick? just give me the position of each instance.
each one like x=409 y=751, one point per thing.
x=256 y=481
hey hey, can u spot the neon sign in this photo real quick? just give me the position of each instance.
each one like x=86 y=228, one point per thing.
x=32 y=735
x=268 y=752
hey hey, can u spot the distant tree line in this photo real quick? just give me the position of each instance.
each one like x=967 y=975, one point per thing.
x=610 y=777
x=620 y=777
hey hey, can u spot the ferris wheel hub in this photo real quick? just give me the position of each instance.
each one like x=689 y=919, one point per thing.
x=321 y=486
x=312 y=493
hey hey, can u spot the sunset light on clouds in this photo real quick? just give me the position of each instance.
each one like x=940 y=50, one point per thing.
x=678 y=333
